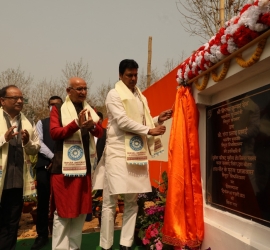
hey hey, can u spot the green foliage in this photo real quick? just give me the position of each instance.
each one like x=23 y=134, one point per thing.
x=120 y=197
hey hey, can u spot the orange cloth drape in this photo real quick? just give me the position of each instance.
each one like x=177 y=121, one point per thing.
x=183 y=222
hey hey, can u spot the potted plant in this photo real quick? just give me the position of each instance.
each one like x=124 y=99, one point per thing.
x=34 y=215
x=121 y=203
x=143 y=199
x=98 y=209
x=151 y=216
x=28 y=204
x=151 y=222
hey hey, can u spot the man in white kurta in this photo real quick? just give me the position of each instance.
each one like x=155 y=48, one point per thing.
x=120 y=177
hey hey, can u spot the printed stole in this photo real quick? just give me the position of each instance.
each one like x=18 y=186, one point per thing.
x=136 y=146
x=28 y=178
x=73 y=163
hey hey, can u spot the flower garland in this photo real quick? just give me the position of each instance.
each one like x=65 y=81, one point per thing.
x=254 y=58
x=223 y=72
x=204 y=83
x=253 y=20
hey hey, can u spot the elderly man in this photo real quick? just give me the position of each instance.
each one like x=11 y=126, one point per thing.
x=131 y=132
x=18 y=140
x=73 y=127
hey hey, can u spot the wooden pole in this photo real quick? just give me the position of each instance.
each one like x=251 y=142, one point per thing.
x=149 y=61
x=222 y=13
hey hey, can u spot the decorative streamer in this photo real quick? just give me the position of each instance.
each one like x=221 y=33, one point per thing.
x=183 y=222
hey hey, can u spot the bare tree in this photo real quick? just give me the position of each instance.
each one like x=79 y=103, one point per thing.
x=98 y=99
x=78 y=69
x=202 y=17
x=37 y=107
x=170 y=64
x=142 y=81
x=16 y=77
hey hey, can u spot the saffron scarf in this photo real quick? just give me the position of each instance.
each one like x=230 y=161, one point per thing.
x=73 y=163
x=183 y=222
x=28 y=177
x=136 y=146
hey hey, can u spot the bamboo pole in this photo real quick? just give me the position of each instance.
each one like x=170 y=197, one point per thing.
x=222 y=13
x=149 y=61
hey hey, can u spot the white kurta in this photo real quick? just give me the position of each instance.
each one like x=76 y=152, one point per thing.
x=123 y=178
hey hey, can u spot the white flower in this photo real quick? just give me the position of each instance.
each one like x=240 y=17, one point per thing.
x=213 y=59
x=186 y=73
x=219 y=55
x=231 y=46
x=223 y=39
x=206 y=56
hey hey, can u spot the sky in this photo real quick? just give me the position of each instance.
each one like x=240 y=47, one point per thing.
x=40 y=37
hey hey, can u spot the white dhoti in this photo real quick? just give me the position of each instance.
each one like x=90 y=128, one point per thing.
x=108 y=215
x=67 y=232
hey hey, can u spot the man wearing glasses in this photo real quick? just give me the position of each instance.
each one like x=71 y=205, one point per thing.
x=73 y=127
x=18 y=140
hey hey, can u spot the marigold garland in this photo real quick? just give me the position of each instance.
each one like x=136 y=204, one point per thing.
x=204 y=82
x=222 y=74
x=254 y=58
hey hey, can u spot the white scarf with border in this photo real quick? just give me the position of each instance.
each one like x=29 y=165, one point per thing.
x=73 y=163
x=136 y=145
x=29 y=189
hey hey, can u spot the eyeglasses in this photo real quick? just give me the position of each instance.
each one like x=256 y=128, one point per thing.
x=15 y=98
x=79 y=89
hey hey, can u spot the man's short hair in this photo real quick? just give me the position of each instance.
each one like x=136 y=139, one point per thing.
x=55 y=97
x=127 y=64
x=3 y=91
x=100 y=115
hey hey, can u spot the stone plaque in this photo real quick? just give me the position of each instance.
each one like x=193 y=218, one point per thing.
x=238 y=155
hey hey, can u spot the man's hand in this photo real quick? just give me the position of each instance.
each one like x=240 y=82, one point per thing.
x=25 y=136
x=83 y=123
x=165 y=115
x=159 y=130
x=10 y=134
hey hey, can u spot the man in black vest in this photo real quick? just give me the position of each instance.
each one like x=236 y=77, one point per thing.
x=100 y=145
x=43 y=176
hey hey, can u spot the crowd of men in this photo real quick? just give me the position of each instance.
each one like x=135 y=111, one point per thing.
x=66 y=171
